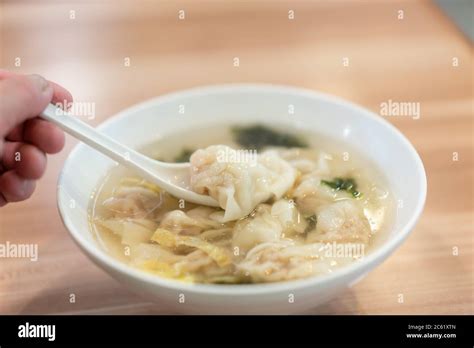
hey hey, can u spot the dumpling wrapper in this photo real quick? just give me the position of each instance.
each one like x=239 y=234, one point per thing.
x=239 y=186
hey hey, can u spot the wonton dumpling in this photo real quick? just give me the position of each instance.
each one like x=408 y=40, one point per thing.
x=341 y=222
x=259 y=228
x=278 y=261
x=133 y=202
x=311 y=193
x=294 y=157
x=306 y=161
x=286 y=260
x=239 y=186
x=190 y=223
x=288 y=216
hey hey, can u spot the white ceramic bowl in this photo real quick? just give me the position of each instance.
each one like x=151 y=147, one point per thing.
x=323 y=114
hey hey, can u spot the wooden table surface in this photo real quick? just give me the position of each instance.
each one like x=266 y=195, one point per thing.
x=412 y=59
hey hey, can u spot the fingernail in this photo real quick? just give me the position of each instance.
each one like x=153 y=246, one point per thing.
x=26 y=187
x=40 y=82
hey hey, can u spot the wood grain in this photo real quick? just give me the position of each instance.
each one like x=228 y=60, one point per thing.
x=403 y=60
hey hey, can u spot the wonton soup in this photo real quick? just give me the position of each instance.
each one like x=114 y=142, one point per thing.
x=293 y=205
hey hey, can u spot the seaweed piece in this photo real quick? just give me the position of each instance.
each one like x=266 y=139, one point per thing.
x=184 y=156
x=345 y=184
x=258 y=136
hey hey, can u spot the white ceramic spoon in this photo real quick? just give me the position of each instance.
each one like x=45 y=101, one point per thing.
x=172 y=177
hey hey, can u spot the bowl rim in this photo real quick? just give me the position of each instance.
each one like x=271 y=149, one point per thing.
x=359 y=267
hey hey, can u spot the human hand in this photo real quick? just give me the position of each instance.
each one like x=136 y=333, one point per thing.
x=25 y=139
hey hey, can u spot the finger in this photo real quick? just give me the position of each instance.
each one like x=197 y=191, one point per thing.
x=45 y=135
x=10 y=155
x=16 y=134
x=3 y=201
x=61 y=95
x=14 y=188
x=21 y=98
x=5 y=73
x=27 y=160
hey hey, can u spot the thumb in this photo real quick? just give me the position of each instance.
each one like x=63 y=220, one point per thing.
x=22 y=97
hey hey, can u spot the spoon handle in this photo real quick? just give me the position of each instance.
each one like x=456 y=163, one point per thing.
x=90 y=136
x=155 y=171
